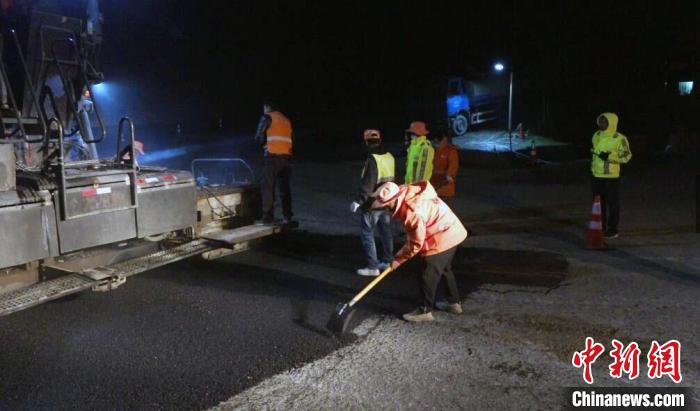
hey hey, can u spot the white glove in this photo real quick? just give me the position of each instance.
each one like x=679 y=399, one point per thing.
x=354 y=206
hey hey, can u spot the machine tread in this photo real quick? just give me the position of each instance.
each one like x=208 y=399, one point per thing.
x=42 y=292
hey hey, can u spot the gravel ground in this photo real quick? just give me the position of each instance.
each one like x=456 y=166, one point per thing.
x=527 y=312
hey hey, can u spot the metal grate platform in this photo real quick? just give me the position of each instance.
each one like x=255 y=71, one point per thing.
x=74 y=283
x=154 y=260
x=43 y=292
x=106 y=275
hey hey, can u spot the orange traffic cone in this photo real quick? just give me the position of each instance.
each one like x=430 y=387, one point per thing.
x=594 y=234
x=532 y=159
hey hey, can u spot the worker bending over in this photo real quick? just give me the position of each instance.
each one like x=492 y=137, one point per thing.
x=419 y=162
x=379 y=169
x=610 y=149
x=434 y=232
x=275 y=134
x=445 y=167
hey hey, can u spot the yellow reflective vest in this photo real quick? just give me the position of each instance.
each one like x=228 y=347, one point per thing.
x=385 y=167
x=419 y=163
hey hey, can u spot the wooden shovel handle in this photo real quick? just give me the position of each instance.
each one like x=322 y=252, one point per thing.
x=369 y=286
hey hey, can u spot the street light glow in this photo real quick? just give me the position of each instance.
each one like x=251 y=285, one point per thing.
x=498 y=66
x=99 y=88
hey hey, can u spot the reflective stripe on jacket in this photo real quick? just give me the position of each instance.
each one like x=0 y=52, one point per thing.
x=419 y=162
x=431 y=227
x=279 y=134
x=609 y=141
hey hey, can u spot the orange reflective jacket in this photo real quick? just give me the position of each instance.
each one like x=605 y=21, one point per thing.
x=279 y=134
x=431 y=227
x=446 y=163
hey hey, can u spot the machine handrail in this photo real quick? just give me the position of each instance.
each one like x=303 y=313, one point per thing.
x=13 y=102
x=132 y=161
x=61 y=166
x=132 y=139
x=211 y=160
x=69 y=93
x=32 y=91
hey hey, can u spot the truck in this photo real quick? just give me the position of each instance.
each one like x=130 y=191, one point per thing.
x=459 y=102
x=69 y=225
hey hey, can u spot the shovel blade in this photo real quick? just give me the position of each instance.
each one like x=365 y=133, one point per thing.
x=340 y=322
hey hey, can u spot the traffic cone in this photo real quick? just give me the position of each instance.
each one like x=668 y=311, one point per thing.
x=594 y=234
x=532 y=159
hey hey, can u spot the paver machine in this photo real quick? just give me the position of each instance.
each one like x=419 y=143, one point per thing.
x=75 y=223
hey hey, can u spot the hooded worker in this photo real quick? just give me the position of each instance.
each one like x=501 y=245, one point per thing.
x=610 y=150
x=419 y=161
x=434 y=232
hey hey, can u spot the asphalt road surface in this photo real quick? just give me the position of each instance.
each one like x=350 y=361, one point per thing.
x=184 y=336
x=193 y=334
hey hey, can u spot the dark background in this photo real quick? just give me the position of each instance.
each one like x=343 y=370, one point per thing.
x=340 y=66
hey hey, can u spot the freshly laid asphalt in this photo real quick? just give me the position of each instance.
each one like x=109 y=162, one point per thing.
x=184 y=336
x=192 y=334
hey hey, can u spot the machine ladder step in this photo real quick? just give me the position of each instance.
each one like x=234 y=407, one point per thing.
x=147 y=262
x=43 y=292
x=241 y=234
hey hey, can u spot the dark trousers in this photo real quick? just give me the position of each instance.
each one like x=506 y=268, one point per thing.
x=277 y=172
x=609 y=191
x=436 y=267
x=382 y=220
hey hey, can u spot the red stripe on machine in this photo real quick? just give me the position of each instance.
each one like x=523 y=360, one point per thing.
x=91 y=192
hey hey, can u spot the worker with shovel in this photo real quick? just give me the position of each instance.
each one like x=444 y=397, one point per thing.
x=434 y=232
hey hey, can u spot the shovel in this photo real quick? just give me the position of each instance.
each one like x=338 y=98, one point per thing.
x=339 y=323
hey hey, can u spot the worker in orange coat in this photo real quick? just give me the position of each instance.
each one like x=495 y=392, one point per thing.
x=434 y=232
x=445 y=167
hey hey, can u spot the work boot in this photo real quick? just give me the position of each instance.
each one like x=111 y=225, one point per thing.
x=418 y=315
x=611 y=234
x=368 y=272
x=268 y=219
x=383 y=266
x=265 y=221
x=455 y=308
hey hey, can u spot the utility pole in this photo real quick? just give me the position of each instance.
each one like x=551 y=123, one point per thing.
x=510 y=110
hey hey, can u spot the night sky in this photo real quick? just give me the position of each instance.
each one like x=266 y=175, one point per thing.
x=342 y=65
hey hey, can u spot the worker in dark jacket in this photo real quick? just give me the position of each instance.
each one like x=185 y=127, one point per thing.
x=379 y=169
x=275 y=134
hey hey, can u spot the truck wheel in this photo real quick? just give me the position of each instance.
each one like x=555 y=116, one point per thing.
x=460 y=124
